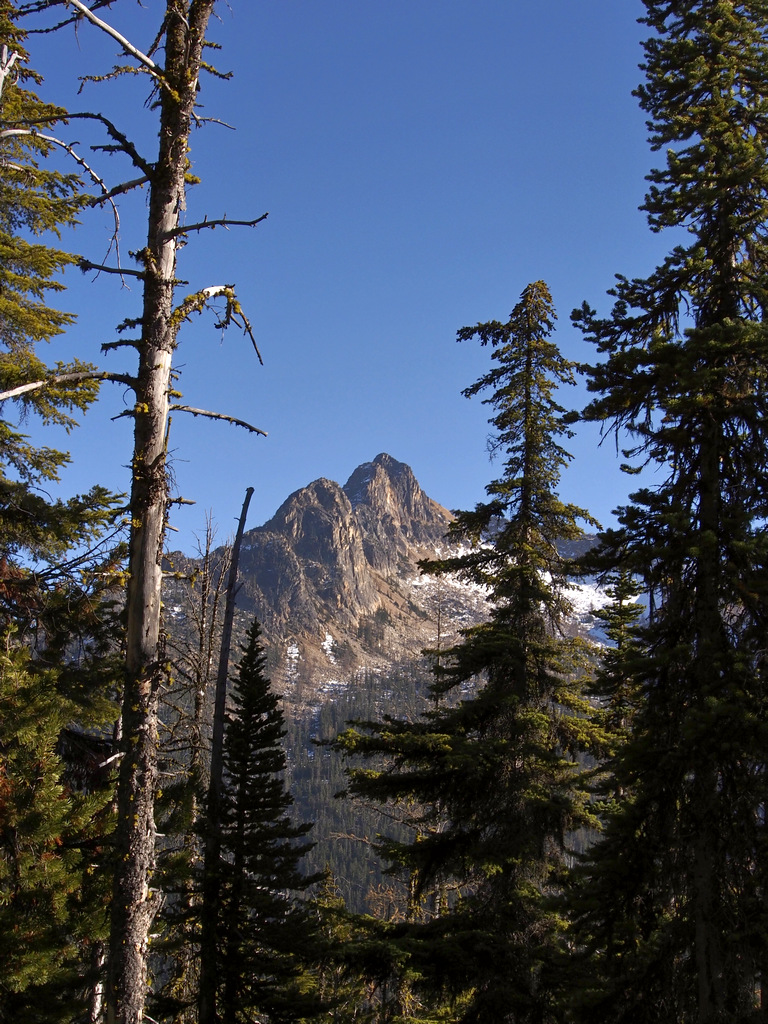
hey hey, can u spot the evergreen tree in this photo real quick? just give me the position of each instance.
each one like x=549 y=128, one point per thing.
x=614 y=686
x=58 y=629
x=35 y=200
x=671 y=907
x=265 y=930
x=494 y=773
x=52 y=891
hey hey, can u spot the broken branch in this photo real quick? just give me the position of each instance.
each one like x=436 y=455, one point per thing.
x=119 y=190
x=233 y=313
x=218 y=416
x=221 y=222
x=86 y=265
x=6 y=64
x=126 y=45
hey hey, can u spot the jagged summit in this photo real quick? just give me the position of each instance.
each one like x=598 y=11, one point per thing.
x=363 y=487
x=334 y=559
x=333 y=579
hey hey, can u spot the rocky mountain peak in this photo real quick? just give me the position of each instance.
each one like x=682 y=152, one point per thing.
x=333 y=579
x=398 y=521
x=382 y=482
x=332 y=560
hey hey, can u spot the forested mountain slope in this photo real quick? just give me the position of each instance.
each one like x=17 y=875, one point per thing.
x=333 y=577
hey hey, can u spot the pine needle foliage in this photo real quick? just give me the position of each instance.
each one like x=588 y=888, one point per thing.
x=669 y=914
x=59 y=568
x=266 y=934
x=36 y=203
x=52 y=884
x=492 y=771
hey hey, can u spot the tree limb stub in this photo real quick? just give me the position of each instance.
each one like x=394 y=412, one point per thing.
x=86 y=265
x=119 y=190
x=217 y=416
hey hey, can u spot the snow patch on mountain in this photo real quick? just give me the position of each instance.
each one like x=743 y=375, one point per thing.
x=328 y=645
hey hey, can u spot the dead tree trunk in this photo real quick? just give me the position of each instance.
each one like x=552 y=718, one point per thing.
x=133 y=898
x=209 y=917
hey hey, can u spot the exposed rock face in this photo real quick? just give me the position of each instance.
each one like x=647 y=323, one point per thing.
x=308 y=563
x=399 y=522
x=331 y=568
x=334 y=581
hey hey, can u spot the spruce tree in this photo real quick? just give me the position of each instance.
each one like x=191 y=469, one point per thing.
x=58 y=568
x=36 y=203
x=53 y=894
x=264 y=928
x=671 y=917
x=493 y=770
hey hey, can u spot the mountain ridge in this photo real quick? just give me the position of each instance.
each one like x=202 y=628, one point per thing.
x=328 y=574
x=333 y=578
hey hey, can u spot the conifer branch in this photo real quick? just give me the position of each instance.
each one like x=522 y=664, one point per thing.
x=69 y=148
x=216 y=416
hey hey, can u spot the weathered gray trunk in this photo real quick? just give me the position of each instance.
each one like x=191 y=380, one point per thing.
x=707 y=895
x=134 y=905
x=209 y=917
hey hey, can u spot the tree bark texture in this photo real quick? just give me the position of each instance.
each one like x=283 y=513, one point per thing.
x=134 y=903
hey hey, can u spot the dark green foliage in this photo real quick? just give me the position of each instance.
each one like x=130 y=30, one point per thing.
x=265 y=931
x=489 y=775
x=59 y=569
x=669 y=901
x=53 y=891
x=35 y=201
x=344 y=829
x=614 y=685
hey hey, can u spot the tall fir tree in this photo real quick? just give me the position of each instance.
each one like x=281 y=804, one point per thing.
x=494 y=772
x=53 y=887
x=265 y=931
x=671 y=908
x=58 y=566
x=35 y=201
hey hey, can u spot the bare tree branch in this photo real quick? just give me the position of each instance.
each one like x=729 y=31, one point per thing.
x=216 y=416
x=67 y=378
x=233 y=313
x=124 y=143
x=43 y=5
x=221 y=222
x=69 y=148
x=200 y=121
x=7 y=60
x=126 y=45
x=118 y=190
x=86 y=265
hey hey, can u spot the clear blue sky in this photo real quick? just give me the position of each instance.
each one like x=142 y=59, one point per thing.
x=421 y=162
